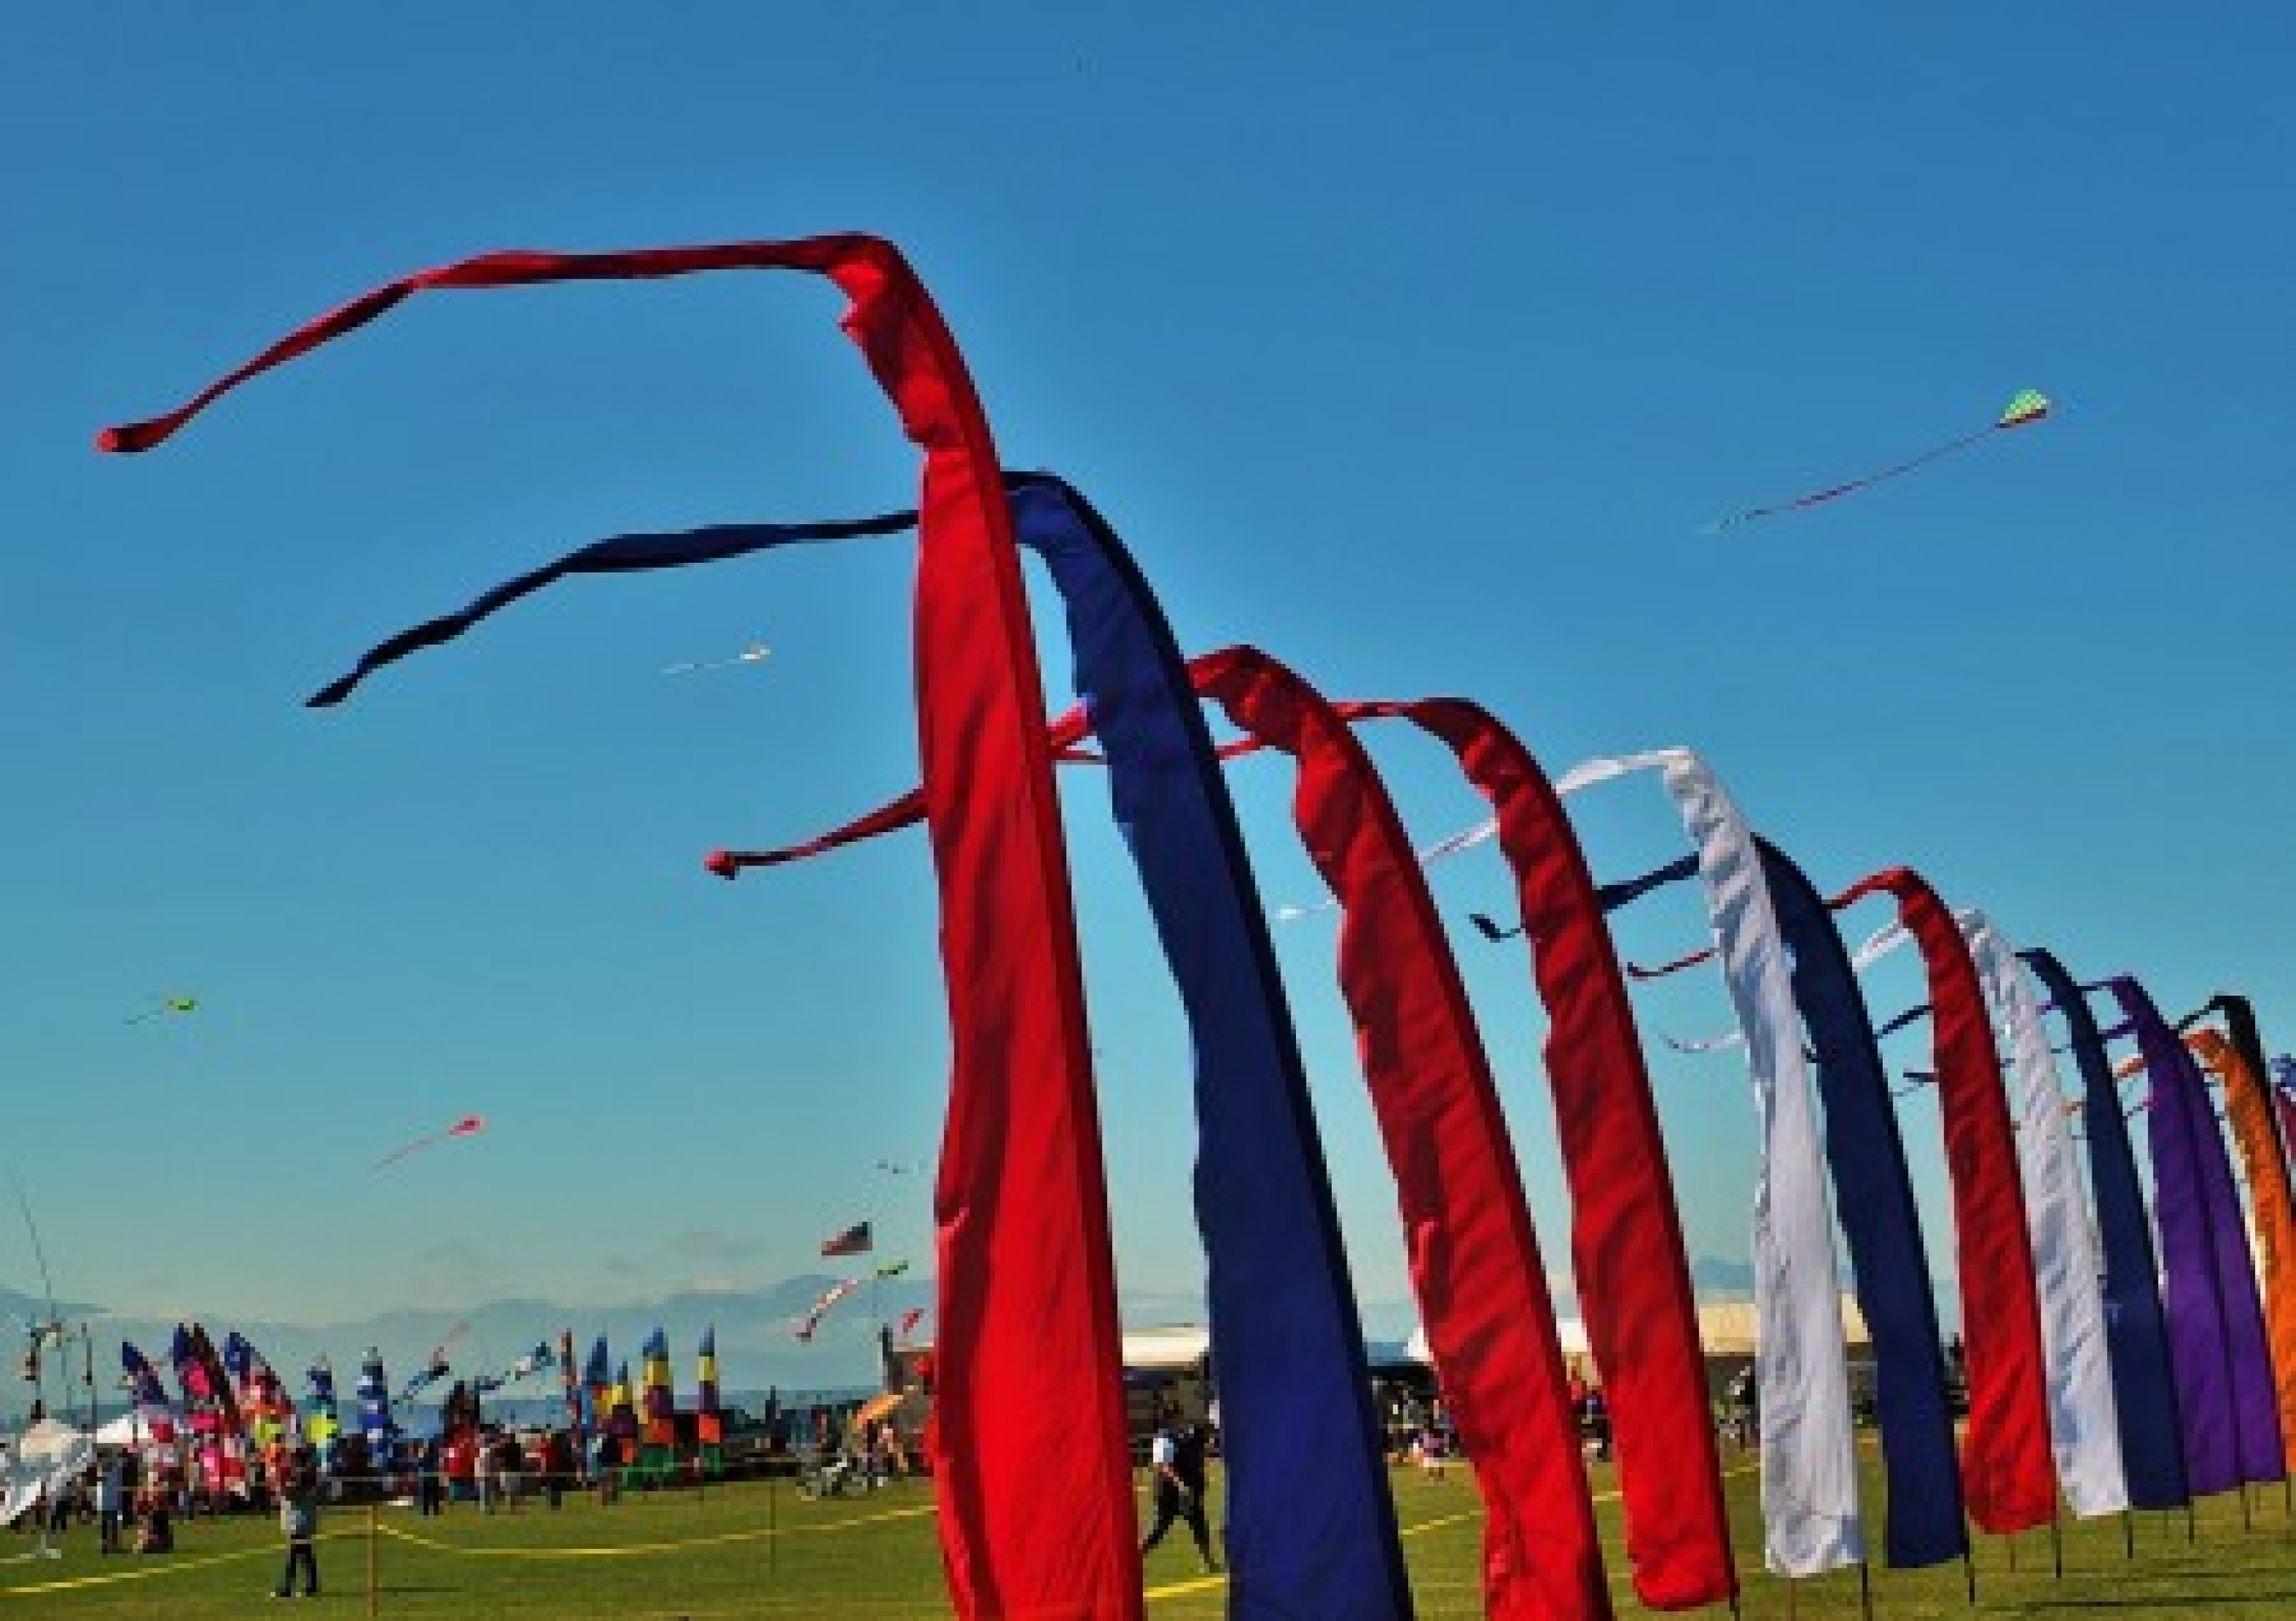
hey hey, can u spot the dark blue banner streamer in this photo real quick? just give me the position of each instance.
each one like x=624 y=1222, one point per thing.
x=1874 y=1200
x=2135 y=1332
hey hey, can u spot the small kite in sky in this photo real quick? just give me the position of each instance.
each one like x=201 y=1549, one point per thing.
x=468 y=1125
x=830 y=1296
x=162 y=1007
x=2028 y=407
x=755 y=653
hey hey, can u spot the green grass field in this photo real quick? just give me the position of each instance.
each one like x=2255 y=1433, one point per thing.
x=758 y=1550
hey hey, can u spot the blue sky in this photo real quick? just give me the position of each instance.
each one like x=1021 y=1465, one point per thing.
x=1411 y=344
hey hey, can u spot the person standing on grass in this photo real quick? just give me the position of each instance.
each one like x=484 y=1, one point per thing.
x=299 y=1518
x=111 y=1498
x=1178 y=1459
x=558 y=1464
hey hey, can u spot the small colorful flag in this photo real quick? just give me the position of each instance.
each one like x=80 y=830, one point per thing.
x=853 y=1240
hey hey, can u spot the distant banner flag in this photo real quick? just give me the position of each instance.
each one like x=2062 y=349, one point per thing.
x=570 y=1378
x=205 y=1383
x=323 y=1424
x=621 y=1414
x=153 y=1411
x=598 y=1380
x=373 y=1394
x=191 y=1372
x=853 y=1240
x=709 y=1422
x=263 y=1402
x=429 y=1374
x=239 y=1361
x=659 y=1431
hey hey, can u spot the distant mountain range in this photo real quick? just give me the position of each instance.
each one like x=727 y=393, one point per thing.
x=756 y=1342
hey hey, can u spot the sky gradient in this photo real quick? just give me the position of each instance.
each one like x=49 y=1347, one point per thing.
x=1414 y=350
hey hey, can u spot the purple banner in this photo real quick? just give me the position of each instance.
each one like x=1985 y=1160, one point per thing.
x=2216 y=1318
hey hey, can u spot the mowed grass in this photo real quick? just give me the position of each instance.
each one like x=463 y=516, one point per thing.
x=758 y=1550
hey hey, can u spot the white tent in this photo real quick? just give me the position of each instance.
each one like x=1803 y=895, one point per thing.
x=130 y=1428
x=1726 y=1328
x=46 y=1458
x=1166 y=1350
x=1569 y=1330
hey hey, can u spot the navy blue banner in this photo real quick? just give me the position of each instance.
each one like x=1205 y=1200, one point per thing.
x=1874 y=1200
x=2135 y=1332
x=1311 y=1526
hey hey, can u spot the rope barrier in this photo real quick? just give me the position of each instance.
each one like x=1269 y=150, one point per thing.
x=628 y=1550
x=634 y=1550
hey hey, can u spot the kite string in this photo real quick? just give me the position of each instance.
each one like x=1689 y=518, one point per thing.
x=1815 y=497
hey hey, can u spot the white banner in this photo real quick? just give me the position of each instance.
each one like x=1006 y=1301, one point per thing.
x=1810 y=1516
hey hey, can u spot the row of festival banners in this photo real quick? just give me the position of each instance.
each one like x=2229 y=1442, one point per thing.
x=2141 y=1380
x=233 y=1407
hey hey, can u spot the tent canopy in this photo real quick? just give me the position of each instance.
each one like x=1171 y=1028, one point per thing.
x=1167 y=1350
x=1726 y=1328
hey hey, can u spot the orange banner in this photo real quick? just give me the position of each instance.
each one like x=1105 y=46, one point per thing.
x=2249 y=1106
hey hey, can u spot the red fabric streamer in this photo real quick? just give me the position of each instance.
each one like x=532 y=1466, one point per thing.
x=1029 y=1439
x=2008 y=1474
x=1626 y=1234
x=1474 y=1256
